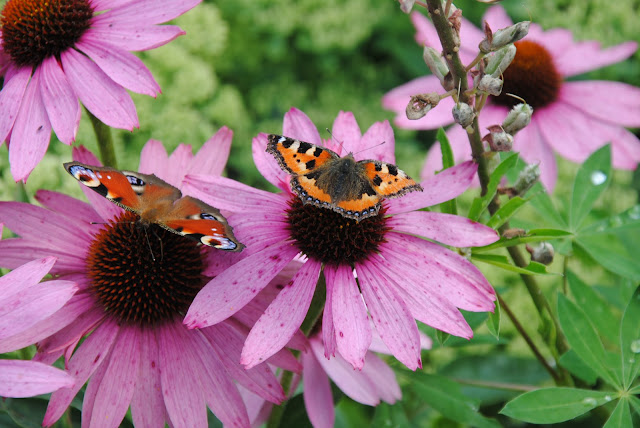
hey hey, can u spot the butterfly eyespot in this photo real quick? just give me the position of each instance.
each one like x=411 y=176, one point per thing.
x=85 y=175
x=208 y=216
x=135 y=181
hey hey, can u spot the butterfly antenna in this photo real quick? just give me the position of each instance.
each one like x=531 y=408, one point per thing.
x=369 y=148
x=341 y=143
x=146 y=235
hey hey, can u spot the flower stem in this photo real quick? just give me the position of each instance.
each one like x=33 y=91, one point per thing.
x=105 y=141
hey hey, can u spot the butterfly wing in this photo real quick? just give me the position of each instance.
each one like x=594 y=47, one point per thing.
x=297 y=157
x=193 y=218
x=388 y=180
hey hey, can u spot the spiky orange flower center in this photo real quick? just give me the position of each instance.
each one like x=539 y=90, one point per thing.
x=33 y=30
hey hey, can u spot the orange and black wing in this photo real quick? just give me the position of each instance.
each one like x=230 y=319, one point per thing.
x=298 y=157
x=388 y=180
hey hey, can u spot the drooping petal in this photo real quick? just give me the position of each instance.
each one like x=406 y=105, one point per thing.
x=153 y=157
x=93 y=352
x=378 y=143
x=497 y=18
x=328 y=329
x=147 y=11
x=60 y=101
x=611 y=102
x=442 y=187
x=346 y=134
x=67 y=337
x=297 y=125
x=15 y=252
x=89 y=399
x=103 y=97
x=588 y=55
x=538 y=151
x=446 y=228
x=11 y=97
x=147 y=403
x=390 y=315
x=121 y=66
x=103 y=5
x=283 y=317
x=31 y=131
x=267 y=164
x=67 y=205
x=383 y=378
x=19 y=379
x=22 y=278
x=318 y=399
x=350 y=319
x=139 y=37
x=459 y=145
x=214 y=153
x=228 y=292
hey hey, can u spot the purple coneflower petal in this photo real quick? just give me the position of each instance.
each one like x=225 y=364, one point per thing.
x=121 y=66
x=615 y=102
x=213 y=155
x=11 y=98
x=20 y=378
x=81 y=366
x=137 y=38
x=497 y=19
x=68 y=337
x=538 y=151
x=31 y=131
x=89 y=399
x=350 y=318
x=378 y=143
x=328 y=329
x=103 y=97
x=148 y=11
x=227 y=293
x=383 y=378
x=346 y=134
x=115 y=391
x=265 y=164
x=102 y=5
x=59 y=100
x=446 y=228
x=283 y=317
x=390 y=315
x=22 y=278
x=153 y=157
x=585 y=56
x=318 y=399
x=297 y=125
x=15 y=252
x=147 y=403
x=440 y=188
x=66 y=205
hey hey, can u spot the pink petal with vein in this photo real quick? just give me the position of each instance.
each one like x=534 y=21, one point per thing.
x=214 y=153
x=70 y=335
x=60 y=101
x=23 y=278
x=440 y=188
x=378 y=143
x=228 y=292
x=15 y=252
x=297 y=125
x=89 y=401
x=497 y=18
x=346 y=134
x=153 y=157
x=535 y=149
x=11 y=97
x=138 y=38
x=147 y=11
x=64 y=204
x=616 y=103
x=350 y=318
x=267 y=164
x=586 y=56
x=383 y=378
x=391 y=316
x=147 y=403
x=446 y=228
x=318 y=399
x=283 y=317
x=31 y=131
x=328 y=329
x=19 y=379
x=121 y=66
x=103 y=97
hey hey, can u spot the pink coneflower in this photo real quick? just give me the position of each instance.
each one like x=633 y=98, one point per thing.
x=130 y=306
x=65 y=50
x=402 y=277
x=572 y=118
x=23 y=304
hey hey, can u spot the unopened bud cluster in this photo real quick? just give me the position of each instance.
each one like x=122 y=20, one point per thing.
x=500 y=137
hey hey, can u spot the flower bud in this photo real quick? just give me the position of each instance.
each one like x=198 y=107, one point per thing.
x=500 y=60
x=518 y=118
x=491 y=85
x=504 y=37
x=541 y=253
x=406 y=5
x=498 y=140
x=420 y=105
x=527 y=178
x=463 y=114
x=435 y=62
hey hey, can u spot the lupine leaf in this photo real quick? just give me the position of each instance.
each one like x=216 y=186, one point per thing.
x=493 y=322
x=481 y=203
x=533 y=235
x=506 y=211
x=620 y=417
x=630 y=340
x=596 y=307
x=387 y=415
x=592 y=179
x=448 y=207
x=534 y=268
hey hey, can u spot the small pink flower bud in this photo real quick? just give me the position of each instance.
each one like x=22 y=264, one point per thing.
x=527 y=178
x=420 y=105
x=435 y=62
x=500 y=60
x=491 y=85
x=463 y=114
x=504 y=37
x=518 y=118
x=541 y=253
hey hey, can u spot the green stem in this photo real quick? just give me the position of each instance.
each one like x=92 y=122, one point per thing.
x=105 y=141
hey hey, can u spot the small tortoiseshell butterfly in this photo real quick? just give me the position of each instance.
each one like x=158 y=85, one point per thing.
x=158 y=202
x=322 y=178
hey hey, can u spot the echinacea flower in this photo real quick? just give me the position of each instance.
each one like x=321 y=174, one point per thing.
x=402 y=276
x=24 y=303
x=135 y=285
x=65 y=50
x=572 y=118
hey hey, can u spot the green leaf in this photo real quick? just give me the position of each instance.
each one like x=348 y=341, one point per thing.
x=481 y=203
x=444 y=395
x=442 y=337
x=596 y=307
x=610 y=252
x=506 y=211
x=542 y=203
x=448 y=207
x=635 y=390
x=533 y=235
x=493 y=322
x=390 y=416
x=623 y=223
x=553 y=405
x=635 y=402
x=583 y=339
x=576 y=365
x=534 y=268
x=592 y=179
x=630 y=340
x=620 y=417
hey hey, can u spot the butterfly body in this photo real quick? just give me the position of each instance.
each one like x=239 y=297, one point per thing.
x=157 y=202
x=322 y=178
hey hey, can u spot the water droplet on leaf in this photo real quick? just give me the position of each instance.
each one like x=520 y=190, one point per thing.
x=635 y=346
x=589 y=401
x=598 y=178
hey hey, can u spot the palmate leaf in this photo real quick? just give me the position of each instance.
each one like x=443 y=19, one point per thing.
x=553 y=405
x=481 y=203
x=621 y=416
x=447 y=207
x=534 y=268
x=592 y=179
x=630 y=340
x=598 y=310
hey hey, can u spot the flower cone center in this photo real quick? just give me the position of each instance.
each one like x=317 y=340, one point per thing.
x=327 y=236
x=33 y=30
x=144 y=274
x=531 y=75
